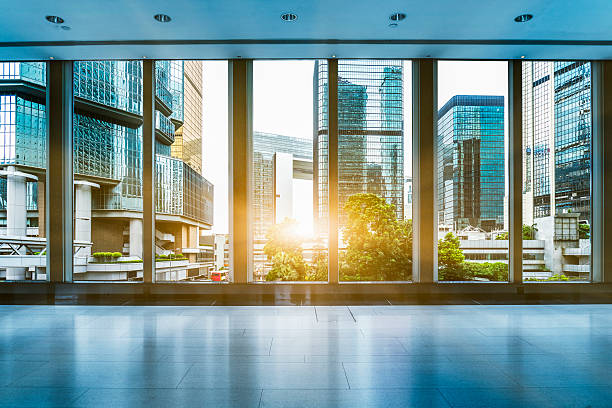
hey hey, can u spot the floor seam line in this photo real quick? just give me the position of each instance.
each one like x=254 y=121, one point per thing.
x=351 y=312
x=346 y=376
x=184 y=375
x=444 y=397
x=260 y=398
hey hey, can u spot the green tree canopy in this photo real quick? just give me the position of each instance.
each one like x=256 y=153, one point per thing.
x=450 y=255
x=378 y=245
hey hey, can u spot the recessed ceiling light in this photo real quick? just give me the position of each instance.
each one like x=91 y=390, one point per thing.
x=162 y=18
x=392 y=25
x=522 y=57
x=397 y=16
x=51 y=57
x=523 y=18
x=289 y=17
x=54 y=19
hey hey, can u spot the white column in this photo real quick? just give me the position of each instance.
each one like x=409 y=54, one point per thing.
x=283 y=186
x=16 y=215
x=82 y=212
x=136 y=237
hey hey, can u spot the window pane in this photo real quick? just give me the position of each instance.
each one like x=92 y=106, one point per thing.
x=23 y=150
x=289 y=242
x=375 y=232
x=556 y=171
x=472 y=211
x=107 y=165
x=189 y=246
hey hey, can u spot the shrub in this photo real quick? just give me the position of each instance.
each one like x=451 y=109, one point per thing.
x=117 y=254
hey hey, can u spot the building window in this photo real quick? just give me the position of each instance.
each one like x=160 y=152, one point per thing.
x=23 y=163
x=471 y=171
x=289 y=242
x=557 y=168
x=374 y=169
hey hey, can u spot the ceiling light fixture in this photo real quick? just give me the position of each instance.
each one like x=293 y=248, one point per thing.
x=522 y=57
x=288 y=17
x=54 y=19
x=162 y=18
x=523 y=18
x=397 y=16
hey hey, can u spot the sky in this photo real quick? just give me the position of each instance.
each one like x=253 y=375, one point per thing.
x=283 y=104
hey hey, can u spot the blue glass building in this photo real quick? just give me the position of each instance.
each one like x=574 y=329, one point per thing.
x=107 y=153
x=470 y=162
x=557 y=139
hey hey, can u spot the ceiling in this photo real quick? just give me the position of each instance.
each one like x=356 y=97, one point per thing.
x=471 y=29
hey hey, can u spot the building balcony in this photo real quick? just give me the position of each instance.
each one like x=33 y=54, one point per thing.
x=163 y=98
x=577 y=268
x=164 y=128
x=584 y=251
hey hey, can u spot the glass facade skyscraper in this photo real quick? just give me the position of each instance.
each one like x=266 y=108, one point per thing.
x=370 y=133
x=471 y=162
x=556 y=139
x=107 y=153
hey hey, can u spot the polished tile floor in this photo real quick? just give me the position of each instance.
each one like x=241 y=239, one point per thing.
x=306 y=356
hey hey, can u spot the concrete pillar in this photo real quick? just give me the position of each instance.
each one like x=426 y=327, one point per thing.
x=42 y=225
x=136 y=237
x=16 y=215
x=240 y=102
x=82 y=216
x=424 y=128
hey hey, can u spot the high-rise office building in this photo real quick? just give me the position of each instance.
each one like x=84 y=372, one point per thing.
x=187 y=144
x=470 y=164
x=556 y=139
x=268 y=193
x=107 y=165
x=370 y=133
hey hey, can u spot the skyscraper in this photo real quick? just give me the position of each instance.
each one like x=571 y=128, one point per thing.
x=556 y=139
x=370 y=133
x=471 y=162
x=265 y=147
x=107 y=166
x=187 y=144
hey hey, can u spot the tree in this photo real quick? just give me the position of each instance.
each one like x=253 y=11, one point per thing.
x=502 y=236
x=450 y=258
x=379 y=246
x=584 y=231
x=284 y=250
x=529 y=232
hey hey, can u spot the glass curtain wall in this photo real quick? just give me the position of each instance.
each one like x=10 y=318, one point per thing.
x=23 y=162
x=189 y=246
x=374 y=170
x=108 y=174
x=471 y=166
x=557 y=131
x=289 y=239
